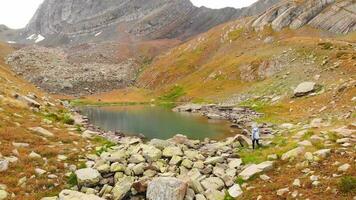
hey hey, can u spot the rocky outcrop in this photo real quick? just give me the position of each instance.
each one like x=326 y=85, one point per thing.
x=62 y=22
x=329 y=15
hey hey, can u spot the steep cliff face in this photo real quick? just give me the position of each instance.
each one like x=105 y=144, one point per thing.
x=68 y=21
x=334 y=16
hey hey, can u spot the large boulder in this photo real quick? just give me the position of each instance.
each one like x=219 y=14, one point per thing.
x=235 y=191
x=293 y=153
x=166 y=188
x=304 y=88
x=250 y=171
x=74 y=195
x=88 y=177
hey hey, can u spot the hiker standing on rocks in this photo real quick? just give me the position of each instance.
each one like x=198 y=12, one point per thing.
x=255 y=135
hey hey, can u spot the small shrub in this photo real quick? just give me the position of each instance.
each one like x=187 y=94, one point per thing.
x=72 y=180
x=234 y=35
x=82 y=165
x=326 y=45
x=347 y=184
x=333 y=136
x=67 y=119
x=173 y=95
x=240 y=181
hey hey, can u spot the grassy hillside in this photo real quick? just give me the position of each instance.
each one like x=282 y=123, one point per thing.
x=17 y=142
x=232 y=63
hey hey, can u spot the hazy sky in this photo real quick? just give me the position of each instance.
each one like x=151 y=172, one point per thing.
x=17 y=13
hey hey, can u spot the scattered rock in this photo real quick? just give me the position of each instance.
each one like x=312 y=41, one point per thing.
x=296 y=183
x=304 y=89
x=282 y=192
x=305 y=143
x=344 y=167
x=122 y=187
x=34 y=155
x=292 y=153
x=323 y=153
x=4 y=165
x=74 y=195
x=42 y=131
x=235 y=191
x=250 y=171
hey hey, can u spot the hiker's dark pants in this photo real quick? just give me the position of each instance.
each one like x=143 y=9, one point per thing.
x=255 y=141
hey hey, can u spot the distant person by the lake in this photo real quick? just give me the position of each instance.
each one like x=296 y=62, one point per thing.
x=255 y=135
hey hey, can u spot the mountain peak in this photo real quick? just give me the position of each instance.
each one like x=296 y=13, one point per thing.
x=81 y=21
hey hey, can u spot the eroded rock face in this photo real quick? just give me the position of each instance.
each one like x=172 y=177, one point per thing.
x=72 y=21
x=337 y=17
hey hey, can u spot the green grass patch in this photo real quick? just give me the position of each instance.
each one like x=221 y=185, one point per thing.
x=173 y=94
x=72 y=180
x=236 y=34
x=326 y=45
x=104 y=143
x=61 y=116
x=333 y=136
x=279 y=146
x=347 y=184
x=240 y=181
x=254 y=104
x=307 y=135
x=319 y=145
x=82 y=165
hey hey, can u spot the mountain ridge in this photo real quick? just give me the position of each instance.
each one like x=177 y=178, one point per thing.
x=74 y=22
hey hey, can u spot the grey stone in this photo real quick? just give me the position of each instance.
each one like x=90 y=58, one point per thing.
x=41 y=131
x=292 y=153
x=3 y=195
x=166 y=188
x=4 y=165
x=323 y=153
x=122 y=187
x=213 y=183
x=249 y=171
x=88 y=177
x=171 y=151
x=235 y=191
x=304 y=88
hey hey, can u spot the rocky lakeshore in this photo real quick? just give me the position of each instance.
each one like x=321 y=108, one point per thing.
x=180 y=168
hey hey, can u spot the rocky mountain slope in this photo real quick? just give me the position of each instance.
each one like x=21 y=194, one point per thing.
x=330 y=15
x=107 y=41
x=62 y=22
